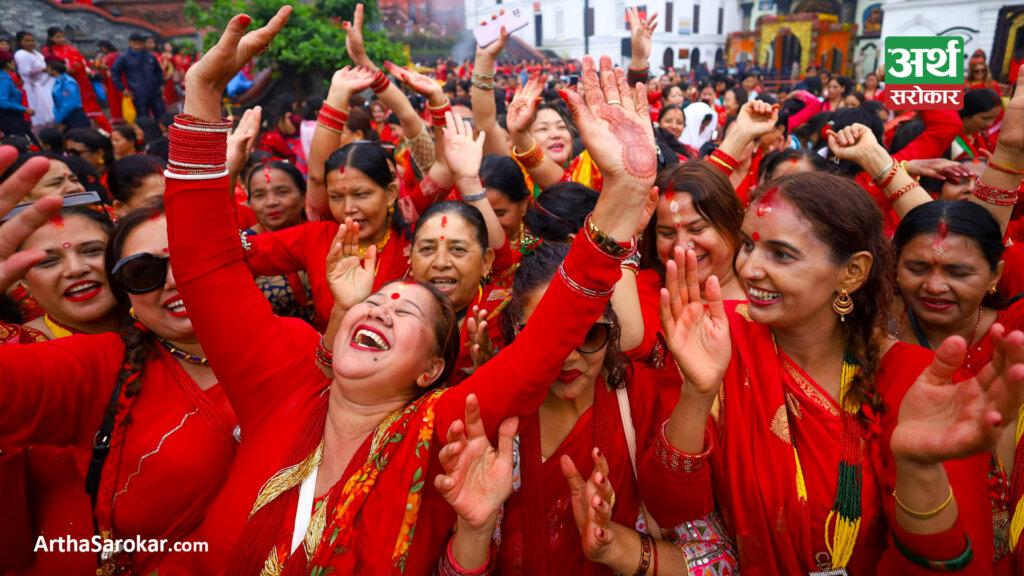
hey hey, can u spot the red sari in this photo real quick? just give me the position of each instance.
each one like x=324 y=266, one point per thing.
x=78 y=69
x=494 y=299
x=168 y=459
x=276 y=388
x=768 y=405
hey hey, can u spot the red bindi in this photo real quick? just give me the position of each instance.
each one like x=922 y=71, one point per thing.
x=266 y=173
x=67 y=245
x=442 y=238
x=165 y=250
x=444 y=222
x=794 y=160
x=395 y=296
x=58 y=221
x=755 y=236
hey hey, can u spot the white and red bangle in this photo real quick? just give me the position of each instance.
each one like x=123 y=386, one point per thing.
x=380 y=82
x=993 y=195
x=437 y=114
x=678 y=461
x=198 y=148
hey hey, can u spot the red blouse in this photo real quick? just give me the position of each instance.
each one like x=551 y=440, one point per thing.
x=178 y=444
x=266 y=366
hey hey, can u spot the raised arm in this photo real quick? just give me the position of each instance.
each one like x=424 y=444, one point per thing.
x=1002 y=177
x=640 y=32
x=482 y=94
x=621 y=141
x=519 y=119
x=253 y=350
x=463 y=155
x=437 y=106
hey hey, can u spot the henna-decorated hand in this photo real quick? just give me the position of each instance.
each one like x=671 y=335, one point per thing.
x=697 y=337
x=757 y=118
x=348 y=81
x=592 y=507
x=462 y=153
x=524 y=106
x=493 y=49
x=481 y=347
x=477 y=478
x=242 y=141
x=354 y=39
x=615 y=127
x=1011 y=134
x=938 y=168
x=350 y=280
x=419 y=83
x=640 y=32
x=14 y=263
x=940 y=420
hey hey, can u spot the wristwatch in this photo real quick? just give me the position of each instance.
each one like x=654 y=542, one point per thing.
x=608 y=243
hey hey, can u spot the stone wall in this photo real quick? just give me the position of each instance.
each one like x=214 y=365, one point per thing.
x=83 y=25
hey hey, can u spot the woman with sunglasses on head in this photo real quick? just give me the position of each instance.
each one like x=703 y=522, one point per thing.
x=277 y=195
x=379 y=418
x=979 y=77
x=58 y=180
x=149 y=391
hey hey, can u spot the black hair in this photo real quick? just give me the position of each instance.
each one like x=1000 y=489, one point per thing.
x=858 y=95
x=774 y=158
x=978 y=101
x=150 y=128
x=94 y=141
x=9 y=310
x=875 y=106
x=360 y=121
x=128 y=134
x=536 y=270
x=375 y=162
x=311 y=108
x=159 y=148
x=287 y=167
x=470 y=214
x=107 y=44
x=740 y=93
x=501 y=173
x=20 y=35
x=962 y=218
x=560 y=210
x=813 y=84
x=670 y=107
x=86 y=175
x=126 y=175
x=51 y=32
x=669 y=147
x=905 y=134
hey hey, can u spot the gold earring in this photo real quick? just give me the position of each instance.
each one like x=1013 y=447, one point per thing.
x=131 y=312
x=843 y=305
x=992 y=290
x=391 y=209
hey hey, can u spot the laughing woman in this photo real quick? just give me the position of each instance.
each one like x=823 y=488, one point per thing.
x=148 y=390
x=348 y=457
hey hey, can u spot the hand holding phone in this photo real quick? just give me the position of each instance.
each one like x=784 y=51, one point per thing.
x=513 y=20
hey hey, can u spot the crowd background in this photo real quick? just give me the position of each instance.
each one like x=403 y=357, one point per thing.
x=762 y=377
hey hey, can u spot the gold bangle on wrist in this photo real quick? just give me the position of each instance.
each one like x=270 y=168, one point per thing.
x=924 y=515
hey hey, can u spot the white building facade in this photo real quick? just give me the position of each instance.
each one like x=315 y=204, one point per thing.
x=689 y=31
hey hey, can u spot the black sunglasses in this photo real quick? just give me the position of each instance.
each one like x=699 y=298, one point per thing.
x=142 y=273
x=595 y=340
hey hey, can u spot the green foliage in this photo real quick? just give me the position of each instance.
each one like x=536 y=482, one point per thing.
x=312 y=42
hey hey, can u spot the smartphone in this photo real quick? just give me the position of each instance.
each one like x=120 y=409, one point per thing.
x=513 y=20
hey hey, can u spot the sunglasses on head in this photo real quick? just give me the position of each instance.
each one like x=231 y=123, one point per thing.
x=89 y=200
x=595 y=340
x=142 y=273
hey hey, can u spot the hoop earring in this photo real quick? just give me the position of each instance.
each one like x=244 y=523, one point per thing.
x=842 y=304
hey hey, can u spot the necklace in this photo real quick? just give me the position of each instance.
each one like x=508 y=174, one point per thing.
x=380 y=245
x=197 y=360
x=926 y=344
x=59 y=329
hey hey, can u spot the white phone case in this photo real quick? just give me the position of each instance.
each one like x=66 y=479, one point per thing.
x=512 y=20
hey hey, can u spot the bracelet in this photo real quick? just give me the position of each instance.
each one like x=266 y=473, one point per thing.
x=924 y=515
x=724 y=160
x=583 y=290
x=437 y=114
x=530 y=159
x=957 y=563
x=334 y=113
x=995 y=166
x=632 y=263
x=646 y=544
x=448 y=566
x=484 y=76
x=896 y=195
x=608 y=244
x=330 y=122
x=635 y=76
x=380 y=82
x=993 y=195
x=473 y=197
x=654 y=556
x=889 y=169
x=246 y=245
x=198 y=147
x=324 y=356
x=482 y=85
x=676 y=460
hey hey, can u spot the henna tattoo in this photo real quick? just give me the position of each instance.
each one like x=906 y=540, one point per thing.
x=638 y=157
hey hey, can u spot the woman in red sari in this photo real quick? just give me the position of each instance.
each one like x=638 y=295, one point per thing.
x=170 y=430
x=377 y=421
x=812 y=407
x=981 y=110
x=57 y=46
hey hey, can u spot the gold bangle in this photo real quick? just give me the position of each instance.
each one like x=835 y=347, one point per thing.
x=924 y=515
x=521 y=154
x=447 y=103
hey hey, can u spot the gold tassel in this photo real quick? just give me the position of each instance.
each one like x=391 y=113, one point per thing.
x=287 y=479
x=1017 y=524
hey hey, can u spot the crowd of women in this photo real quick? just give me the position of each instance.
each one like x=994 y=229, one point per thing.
x=585 y=336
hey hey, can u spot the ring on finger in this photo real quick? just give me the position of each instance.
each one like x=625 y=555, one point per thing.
x=611 y=502
x=610 y=102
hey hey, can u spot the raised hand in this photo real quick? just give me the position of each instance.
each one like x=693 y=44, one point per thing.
x=419 y=83
x=354 y=38
x=481 y=347
x=242 y=140
x=941 y=420
x=592 y=502
x=697 y=338
x=494 y=48
x=854 y=142
x=615 y=127
x=640 y=32
x=348 y=81
x=14 y=263
x=757 y=118
x=1011 y=135
x=207 y=78
x=477 y=478
x=350 y=280
x=938 y=168
x=462 y=153
x=524 y=105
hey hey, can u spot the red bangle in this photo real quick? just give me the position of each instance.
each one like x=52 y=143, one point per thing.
x=198 y=147
x=530 y=159
x=330 y=123
x=728 y=160
x=993 y=195
x=995 y=166
x=678 y=461
x=380 y=82
x=890 y=175
x=437 y=114
x=896 y=195
x=447 y=566
x=323 y=355
x=334 y=113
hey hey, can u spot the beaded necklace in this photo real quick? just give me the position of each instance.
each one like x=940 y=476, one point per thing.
x=59 y=329
x=197 y=360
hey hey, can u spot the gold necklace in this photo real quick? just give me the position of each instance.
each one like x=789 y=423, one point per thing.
x=59 y=329
x=380 y=245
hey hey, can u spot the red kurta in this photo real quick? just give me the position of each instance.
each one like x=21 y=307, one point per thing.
x=177 y=446
x=266 y=366
x=768 y=405
x=77 y=68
